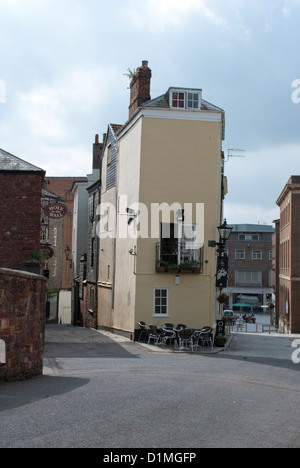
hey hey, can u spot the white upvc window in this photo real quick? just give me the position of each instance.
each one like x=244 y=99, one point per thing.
x=240 y=254
x=161 y=302
x=256 y=255
x=185 y=99
x=248 y=277
x=193 y=100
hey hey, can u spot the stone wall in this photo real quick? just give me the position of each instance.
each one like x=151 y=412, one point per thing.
x=22 y=324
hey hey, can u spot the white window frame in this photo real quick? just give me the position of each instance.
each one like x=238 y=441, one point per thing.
x=237 y=252
x=249 y=237
x=248 y=277
x=186 y=99
x=254 y=253
x=155 y=314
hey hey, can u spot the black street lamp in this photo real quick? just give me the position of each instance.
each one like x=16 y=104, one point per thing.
x=222 y=267
x=224 y=234
x=224 y=231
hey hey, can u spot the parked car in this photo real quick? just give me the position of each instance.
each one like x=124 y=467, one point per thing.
x=230 y=317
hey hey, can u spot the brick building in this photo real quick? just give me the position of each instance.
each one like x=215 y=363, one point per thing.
x=59 y=235
x=20 y=210
x=250 y=265
x=288 y=296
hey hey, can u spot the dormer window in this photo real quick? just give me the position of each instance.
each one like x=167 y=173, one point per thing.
x=185 y=99
x=178 y=100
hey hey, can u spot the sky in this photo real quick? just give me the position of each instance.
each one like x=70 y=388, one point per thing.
x=62 y=80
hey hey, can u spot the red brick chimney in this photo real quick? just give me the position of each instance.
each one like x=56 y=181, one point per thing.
x=140 y=87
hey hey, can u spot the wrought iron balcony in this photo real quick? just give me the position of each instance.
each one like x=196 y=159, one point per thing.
x=178 y=257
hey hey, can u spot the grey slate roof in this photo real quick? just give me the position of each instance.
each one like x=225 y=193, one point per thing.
x=51 y=195
x=161 y=102
x=9 y=162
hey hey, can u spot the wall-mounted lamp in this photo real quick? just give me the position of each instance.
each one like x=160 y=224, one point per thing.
x=224 y=234
x=44 y=226
x=133 y=253
x=67 y=252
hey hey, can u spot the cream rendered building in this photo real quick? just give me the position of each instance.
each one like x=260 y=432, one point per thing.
x=161 y=202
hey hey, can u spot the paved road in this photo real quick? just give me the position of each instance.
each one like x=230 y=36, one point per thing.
x=111 y=393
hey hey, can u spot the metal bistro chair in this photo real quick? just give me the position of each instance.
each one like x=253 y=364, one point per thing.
x=156 y=334
x=185 y=339
x=144 y=331
x=181 y=326
x=169 y=336
x=203 y=337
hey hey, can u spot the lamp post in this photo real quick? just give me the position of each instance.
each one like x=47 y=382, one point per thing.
x=224 y=234
x=222 y=265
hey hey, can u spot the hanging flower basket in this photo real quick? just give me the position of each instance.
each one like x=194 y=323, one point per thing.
x=223 y=298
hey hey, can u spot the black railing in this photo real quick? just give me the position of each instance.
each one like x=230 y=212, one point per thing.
x=179 y=257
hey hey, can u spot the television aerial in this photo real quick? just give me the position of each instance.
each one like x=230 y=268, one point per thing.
x=235 y=153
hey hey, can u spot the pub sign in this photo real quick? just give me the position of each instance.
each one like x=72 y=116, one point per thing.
x=55 y=210
x=222 y=272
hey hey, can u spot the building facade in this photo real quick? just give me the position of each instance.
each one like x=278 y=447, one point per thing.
x=20 y=213
x=84 y=226
x=162 y=191
x=52 y=236
x=59 y=233
x=86 y=303
x=250 y=255
x=288 y=290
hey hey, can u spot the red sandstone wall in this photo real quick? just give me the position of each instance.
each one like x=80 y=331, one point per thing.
x=22 y=324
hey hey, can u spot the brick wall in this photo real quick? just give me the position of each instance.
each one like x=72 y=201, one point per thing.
x=62 y=186
x=289 y=257
x=140 y=87
x=264 y=245
x=20 y=217
x=22 y=324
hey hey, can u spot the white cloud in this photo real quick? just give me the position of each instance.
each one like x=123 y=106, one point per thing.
x=236 y=213
x=66 y=160
x=256 y=182
x=43 y=113
x=286 y=12
x=48 y=111
x=159 y=15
